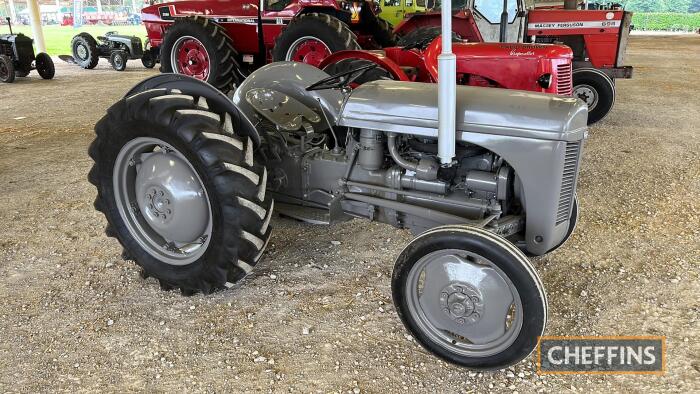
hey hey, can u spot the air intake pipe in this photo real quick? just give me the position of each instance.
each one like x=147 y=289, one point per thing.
x=425 y=168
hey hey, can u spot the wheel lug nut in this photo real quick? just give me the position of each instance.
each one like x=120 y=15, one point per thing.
x=169 y=212
x=161 y=193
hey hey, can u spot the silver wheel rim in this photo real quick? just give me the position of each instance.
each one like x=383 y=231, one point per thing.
x=292 y=48
x=464 y=303
x=162 y=201
x=81 y=51
x=118 y=61
x=588 y=94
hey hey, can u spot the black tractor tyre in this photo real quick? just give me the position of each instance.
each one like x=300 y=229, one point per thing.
x=7 y=69
x=44 y=66
x=232 y=179
x=381 y=31
x=90 y=58
x=326 y=28
x=421 y=37
x=224 y=70
x=344 y=65
x=118 y=60
x=597 y=90
x=148 y=60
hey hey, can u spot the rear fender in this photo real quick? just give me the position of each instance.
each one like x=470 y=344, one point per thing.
x=376 y=57
x=216 y=100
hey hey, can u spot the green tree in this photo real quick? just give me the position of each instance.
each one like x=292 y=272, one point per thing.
x=647 y=5
x=678 y=5
x=694 y=6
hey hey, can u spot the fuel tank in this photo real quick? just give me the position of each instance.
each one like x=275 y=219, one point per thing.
x=411 y=108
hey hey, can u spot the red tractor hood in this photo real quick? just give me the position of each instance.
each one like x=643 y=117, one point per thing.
x=491 y=50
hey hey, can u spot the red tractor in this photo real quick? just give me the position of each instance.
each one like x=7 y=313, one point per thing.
x=221 y=42
x=598 y=39
x=542 y=68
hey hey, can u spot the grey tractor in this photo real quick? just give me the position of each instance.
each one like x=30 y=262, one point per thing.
x=188 y=180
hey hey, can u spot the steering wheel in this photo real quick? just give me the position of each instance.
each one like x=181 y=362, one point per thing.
x=342 y=79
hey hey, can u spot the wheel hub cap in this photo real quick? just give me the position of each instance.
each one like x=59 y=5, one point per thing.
x=82 y=52
x=172 y=199
x=462 y=303
x=587 y=94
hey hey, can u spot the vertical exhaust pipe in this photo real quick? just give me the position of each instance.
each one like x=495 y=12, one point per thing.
x=447 y=89
x=504 y=22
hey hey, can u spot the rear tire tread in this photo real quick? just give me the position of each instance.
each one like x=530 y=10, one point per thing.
x=204 y=133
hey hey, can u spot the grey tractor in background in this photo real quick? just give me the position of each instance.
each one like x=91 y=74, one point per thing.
x=116 y=48
x=188 y=180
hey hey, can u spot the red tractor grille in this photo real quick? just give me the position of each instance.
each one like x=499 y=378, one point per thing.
x=564 y=80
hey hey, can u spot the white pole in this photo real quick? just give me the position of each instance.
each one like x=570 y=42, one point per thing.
x=447 y=91
x=13 y=15
x=99 y=6
x=37 y=30
x=59 y=14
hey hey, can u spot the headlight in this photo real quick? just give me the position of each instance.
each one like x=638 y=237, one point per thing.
x=545 y=80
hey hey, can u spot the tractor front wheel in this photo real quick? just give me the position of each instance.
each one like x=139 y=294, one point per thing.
x=597 y=90
x=118 y=60
x=44 y=66
x=181 y=190
x=311 y=37
x=7 y=69
x=200 y=48
x=470 y=297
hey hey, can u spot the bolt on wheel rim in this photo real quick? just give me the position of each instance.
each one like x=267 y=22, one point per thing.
x=162 y=201
x=190 y=57
x=588 y=94
x=81 y=51
x=464 y=303
x=309 y=50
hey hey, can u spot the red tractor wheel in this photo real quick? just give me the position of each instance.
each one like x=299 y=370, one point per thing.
x=310 y=38
x=199 y=47
x=190 y=57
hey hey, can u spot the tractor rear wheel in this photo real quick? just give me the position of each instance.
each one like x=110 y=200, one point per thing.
x=199 y=47
x=84 y=49
x=148 y=60
x=44 y=66
x=181 y=190
x=7 y=69
x=597 y=90
x=311 y=37
x=381 y=31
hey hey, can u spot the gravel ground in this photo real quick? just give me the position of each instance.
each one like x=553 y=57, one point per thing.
x=317 y=315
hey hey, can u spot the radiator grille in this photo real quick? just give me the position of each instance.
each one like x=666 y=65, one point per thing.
x=568 y=181
x=564 y=80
